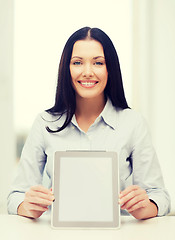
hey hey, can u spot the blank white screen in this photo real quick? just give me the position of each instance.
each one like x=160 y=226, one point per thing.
x=85 y=189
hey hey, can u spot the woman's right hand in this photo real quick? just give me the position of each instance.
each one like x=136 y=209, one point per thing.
x=36 y=202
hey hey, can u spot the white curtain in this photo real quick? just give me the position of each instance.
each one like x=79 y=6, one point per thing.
x=154 y=77
x=7 y=143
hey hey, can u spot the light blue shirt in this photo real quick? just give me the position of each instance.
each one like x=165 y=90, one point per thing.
x=122 y=131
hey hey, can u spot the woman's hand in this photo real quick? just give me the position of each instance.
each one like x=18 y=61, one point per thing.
x=136 y=201
x=36 y=202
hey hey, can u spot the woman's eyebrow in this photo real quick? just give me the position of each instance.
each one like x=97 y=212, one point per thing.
x=76 y=57
x=93 y=57
x=98 y=57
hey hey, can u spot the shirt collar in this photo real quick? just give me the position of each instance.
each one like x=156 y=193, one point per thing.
x=109 y=114
x=74 y=121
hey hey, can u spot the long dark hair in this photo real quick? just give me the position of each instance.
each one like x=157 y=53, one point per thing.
x=65 y=101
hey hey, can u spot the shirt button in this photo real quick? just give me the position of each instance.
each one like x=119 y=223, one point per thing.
x=73 y=127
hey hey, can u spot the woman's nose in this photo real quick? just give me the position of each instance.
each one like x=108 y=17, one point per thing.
x=88 y=71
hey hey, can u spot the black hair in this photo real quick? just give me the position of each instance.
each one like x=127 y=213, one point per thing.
x=65 y=101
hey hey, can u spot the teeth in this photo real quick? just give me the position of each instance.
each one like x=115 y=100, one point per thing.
x=88 y=83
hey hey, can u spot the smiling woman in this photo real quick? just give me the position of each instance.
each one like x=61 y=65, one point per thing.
x=90 y=113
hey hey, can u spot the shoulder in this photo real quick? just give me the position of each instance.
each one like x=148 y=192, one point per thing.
x=119 y=117
x=120 y=113
x=129 y=115
x=123 y=115
x=45 y=116
x=44 y=119
x=131 y=120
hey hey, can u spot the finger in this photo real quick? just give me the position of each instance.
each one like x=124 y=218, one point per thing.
x=36 y=207
x=40 y=188
x=134 y=201
x=42 y=195
x=137 y=206
x=128 y=190
x=38 y=200
x=40 y=192
x=132 y=195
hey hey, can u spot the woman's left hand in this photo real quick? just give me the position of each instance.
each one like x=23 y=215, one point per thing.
x=136 y=201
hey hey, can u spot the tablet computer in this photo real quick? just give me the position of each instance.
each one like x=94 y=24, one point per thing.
x=86 y=190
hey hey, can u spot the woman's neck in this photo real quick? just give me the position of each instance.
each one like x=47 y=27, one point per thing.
x=87 y=110
x=89 y=107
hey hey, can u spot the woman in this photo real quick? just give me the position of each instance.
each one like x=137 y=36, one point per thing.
x=90 y=113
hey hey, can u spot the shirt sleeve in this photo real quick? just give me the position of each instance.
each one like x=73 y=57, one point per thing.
x=30 y=168
x=146 y=168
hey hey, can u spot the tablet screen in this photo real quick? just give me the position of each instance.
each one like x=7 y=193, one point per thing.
x=86 y=194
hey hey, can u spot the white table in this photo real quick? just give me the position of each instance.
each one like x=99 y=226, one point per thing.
x=16 y=228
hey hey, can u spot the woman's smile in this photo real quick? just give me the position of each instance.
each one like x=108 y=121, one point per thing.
x=88 y=84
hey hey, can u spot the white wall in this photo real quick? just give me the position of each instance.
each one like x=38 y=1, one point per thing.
x=7 y=153
x=154 y=78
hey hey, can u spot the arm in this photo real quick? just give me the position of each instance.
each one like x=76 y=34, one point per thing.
x=147 y=197
x=30 y=168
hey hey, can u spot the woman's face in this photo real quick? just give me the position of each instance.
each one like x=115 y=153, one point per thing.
x=88 y=69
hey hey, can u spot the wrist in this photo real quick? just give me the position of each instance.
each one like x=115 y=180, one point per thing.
x=154 y=204
x=20 y=209
x=154 y=208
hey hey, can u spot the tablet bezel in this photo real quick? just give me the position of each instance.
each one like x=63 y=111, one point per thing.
x=115 y=190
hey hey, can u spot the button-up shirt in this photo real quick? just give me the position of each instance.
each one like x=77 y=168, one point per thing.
x=120 y=130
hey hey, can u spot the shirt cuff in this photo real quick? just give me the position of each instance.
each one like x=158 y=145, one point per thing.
x=14 y=201
x=162 y=205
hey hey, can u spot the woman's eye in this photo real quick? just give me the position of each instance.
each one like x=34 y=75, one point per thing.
x=98 y=63
x=77 y=63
